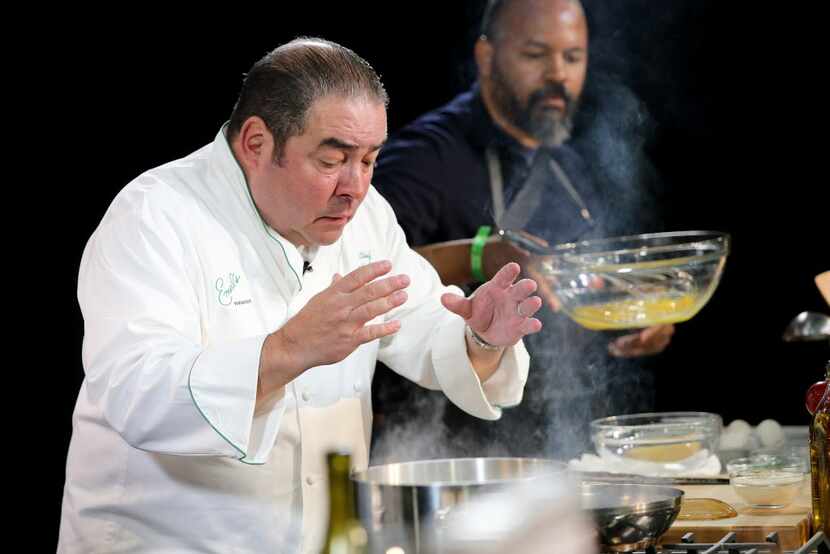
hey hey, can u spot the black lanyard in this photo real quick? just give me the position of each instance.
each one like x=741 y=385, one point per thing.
x=527 y=199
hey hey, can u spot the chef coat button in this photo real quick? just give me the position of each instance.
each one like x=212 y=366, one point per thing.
x=357 y=387
x=306 y=395
x=309 y=480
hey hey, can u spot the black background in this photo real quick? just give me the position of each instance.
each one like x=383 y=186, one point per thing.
x=731 y=94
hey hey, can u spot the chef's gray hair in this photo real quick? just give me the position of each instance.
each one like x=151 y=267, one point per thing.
x=282 y=86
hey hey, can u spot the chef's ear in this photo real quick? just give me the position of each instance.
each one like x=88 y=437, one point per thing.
x=483 y=52
x=254 y=145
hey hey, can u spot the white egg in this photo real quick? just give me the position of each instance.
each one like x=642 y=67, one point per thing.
x=741 y=426
x=731 y=440
x=770 y=432
x=741 y=431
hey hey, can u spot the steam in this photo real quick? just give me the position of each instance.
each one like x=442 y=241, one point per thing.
x=573 y=381
x=420 y=436
x=422 y=433
x=612 y=138
x=636 y=48
x=427 y=429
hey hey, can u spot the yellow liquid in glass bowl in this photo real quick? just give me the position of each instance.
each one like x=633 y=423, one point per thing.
x=636 y=312
x=663 y=453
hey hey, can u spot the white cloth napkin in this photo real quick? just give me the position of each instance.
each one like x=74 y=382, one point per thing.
x=701 y=464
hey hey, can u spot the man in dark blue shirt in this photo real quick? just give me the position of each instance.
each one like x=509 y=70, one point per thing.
x=496 y=155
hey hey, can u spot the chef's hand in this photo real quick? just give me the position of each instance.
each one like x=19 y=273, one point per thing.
x=333 y=323
x=500 y=311
x=651 y=340
x=498 y=252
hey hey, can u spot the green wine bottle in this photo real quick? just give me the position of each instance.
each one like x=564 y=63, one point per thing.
x=345 y=534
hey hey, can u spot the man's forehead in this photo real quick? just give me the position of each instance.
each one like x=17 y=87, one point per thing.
x=340 y=144
x=343 y=122
x=522 y=17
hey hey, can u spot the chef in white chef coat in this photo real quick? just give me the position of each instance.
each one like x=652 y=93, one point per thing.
x=235 y=302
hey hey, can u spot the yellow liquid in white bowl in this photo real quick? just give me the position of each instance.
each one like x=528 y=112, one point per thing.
x=636 y=312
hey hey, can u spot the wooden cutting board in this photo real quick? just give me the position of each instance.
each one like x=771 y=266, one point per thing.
x=823 y=282
x=752 y=525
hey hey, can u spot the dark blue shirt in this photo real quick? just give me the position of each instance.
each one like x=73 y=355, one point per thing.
x=435 y=175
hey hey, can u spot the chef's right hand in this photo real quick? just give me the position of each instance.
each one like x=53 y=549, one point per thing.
x=498 y=252
x=333 y=323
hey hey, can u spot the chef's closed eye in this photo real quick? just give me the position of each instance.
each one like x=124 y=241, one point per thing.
x=330 y=162
x=370 y=163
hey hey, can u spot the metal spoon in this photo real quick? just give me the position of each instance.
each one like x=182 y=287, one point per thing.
x=808 y=326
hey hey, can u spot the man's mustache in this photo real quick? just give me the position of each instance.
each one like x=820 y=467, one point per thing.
x=550 y=91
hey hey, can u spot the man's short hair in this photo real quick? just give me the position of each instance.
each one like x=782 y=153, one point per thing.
x=283 y=85
x=491 y=19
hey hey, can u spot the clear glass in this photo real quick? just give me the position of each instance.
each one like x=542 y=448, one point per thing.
x=766 y=482
x=669 y=441
x=636 y=281
x=787 y=454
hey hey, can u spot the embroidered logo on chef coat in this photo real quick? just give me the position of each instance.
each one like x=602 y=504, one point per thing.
x=364 y=258
x=228 y=291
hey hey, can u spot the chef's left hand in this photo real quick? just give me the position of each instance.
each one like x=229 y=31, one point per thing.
x=651 y=340
x=500 y=311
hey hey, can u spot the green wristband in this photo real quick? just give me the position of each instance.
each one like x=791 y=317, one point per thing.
x=476 y=253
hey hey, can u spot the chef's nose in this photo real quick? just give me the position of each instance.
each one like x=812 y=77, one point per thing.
x=352 y=182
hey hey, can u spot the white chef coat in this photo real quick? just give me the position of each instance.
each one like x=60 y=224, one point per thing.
x=179 y=286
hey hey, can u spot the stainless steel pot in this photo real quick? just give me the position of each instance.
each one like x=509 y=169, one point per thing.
x=630 y=517
x=408 y=504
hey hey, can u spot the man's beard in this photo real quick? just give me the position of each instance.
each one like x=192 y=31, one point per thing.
x=549 y=126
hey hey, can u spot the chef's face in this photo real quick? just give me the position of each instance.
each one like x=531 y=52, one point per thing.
x=314 y=189
x=537 y=66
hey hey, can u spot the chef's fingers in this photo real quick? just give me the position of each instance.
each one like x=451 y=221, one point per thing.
x=545 y=290
x=529 y=306
x=368 y=333
x=363 y=275
x=530 y=325
x=371 y=310
x=458 y=305
x=521 y=290
x=377 y=289
x=506 y=275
